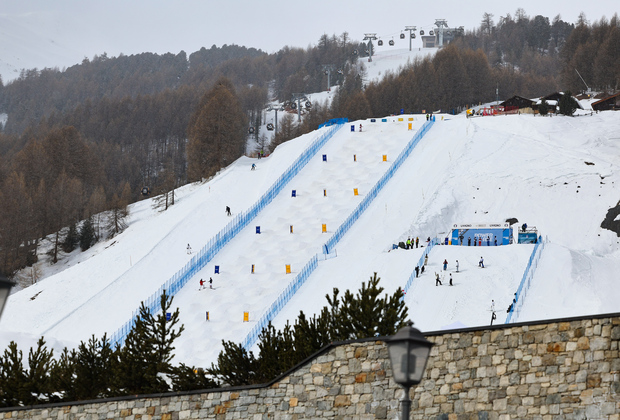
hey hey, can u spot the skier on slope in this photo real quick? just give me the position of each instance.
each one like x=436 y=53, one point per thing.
x=457 y=266
x=481 y=263
x=445 y=265
x=189 y=249
x=210 y=282
x=228 y=211
x=202 y=284
x=437 y=280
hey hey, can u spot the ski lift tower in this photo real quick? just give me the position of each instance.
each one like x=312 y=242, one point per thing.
x=297 y=98
x=327 y=69
x=276 y=109
x=440 y=23
x=370 y=38
x=411 y=34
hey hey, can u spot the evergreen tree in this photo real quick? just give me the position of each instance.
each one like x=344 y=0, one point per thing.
x=277 y=352
x=145 y=359
x=87 y=234
x=185 y=378
x=38 y=383
x=92 y=369
x=63 y=375
x=567 y=104
x=235 y=366
x=12 y=377
x=311 y=335
x=71 y=239
x=543 y=107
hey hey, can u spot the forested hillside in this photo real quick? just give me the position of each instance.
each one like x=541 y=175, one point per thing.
x=88 y=139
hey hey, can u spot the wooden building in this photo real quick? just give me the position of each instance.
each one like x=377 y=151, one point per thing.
x=609 y=103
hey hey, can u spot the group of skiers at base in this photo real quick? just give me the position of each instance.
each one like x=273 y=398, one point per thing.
x=438 y=282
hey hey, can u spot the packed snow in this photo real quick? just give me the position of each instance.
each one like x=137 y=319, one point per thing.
x=555 y=173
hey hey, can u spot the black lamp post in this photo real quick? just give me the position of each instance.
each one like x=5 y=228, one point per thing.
x=409 y=352
x=5 y=290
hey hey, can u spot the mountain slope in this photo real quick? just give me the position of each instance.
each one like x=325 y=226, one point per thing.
x=558 y=174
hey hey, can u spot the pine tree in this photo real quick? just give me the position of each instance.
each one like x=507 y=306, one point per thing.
x=87 y=234
x=311 y=335
x=185 y=378
x=145 y=359
x=93 y=369
x=12 y=377
x=567 y=104
x=71 y=239
x=38 y=384
x=543 y=107
x=235 y=365
x=63 y=375
x=277 y=352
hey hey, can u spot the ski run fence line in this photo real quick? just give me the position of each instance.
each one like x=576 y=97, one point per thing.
x=280 y=302
x=526 y=281
x=215 y=244
x=363 y=205
x=412 y=277
x=328 y=247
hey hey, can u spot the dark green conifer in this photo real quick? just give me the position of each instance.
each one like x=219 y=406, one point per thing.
x=12 y=377
x=235 y=365
x=87 y=234
x=72 y=239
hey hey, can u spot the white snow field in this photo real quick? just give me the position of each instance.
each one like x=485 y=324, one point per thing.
x=558 y=174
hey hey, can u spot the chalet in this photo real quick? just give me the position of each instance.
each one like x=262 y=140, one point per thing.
x=609 y=103
x=517 y=103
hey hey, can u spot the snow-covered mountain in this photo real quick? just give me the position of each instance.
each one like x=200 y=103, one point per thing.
x=558 y=174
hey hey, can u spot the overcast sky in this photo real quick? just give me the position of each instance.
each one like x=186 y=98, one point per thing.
x=120 y=26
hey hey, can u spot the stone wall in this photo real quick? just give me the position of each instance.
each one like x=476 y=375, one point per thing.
x=564 y=369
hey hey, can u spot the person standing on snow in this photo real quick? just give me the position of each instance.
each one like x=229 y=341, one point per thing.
x=481 y=263
x=469 y=241
x=189 y=249
x=202 y=284
x=408 y=243
x=417 y=271
x=417 y=241
x=488 y=240
x=457 y=266
x=210 y=282
x=437 y=281
x=426 y=259
x=360 y=128
x=445 y=265
x=451 y=279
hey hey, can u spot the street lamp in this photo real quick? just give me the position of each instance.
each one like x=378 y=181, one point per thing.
x=5 y=290
x=409 y=352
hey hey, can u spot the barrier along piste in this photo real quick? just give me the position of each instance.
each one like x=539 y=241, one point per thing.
x=363 y=205
x=413 y=276
x=307 y=270
x=215 y=244
x=526 y=281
